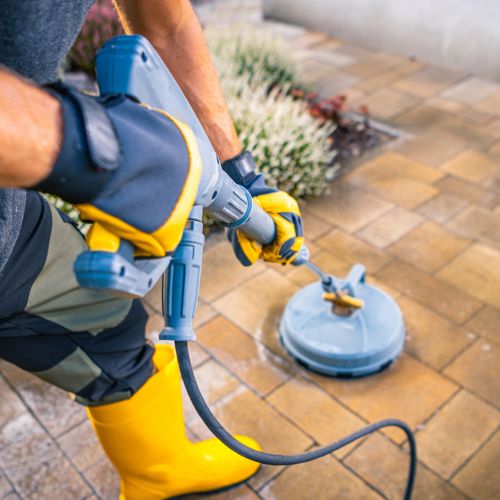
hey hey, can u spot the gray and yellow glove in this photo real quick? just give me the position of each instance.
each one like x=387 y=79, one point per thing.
x=283 y=209
x=132 y=171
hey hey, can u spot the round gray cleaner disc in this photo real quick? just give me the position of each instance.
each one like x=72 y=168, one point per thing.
x=361 y=344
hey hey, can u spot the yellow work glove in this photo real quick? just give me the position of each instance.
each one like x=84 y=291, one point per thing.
x=283 y=209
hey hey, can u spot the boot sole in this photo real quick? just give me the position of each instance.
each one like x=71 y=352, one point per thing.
x=214 y=492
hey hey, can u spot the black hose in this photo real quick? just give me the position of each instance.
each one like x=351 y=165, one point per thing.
x=220 y=432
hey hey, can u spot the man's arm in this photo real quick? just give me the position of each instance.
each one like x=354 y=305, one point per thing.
x=174 y=30
x=30 y=132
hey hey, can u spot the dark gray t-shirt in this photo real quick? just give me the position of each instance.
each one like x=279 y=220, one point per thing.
x=35 y=36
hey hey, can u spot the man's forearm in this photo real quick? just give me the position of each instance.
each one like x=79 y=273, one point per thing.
x=30 y=132
x=173 y=28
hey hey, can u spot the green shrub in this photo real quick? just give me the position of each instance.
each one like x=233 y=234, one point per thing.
x=254 y=53
x=291 y=147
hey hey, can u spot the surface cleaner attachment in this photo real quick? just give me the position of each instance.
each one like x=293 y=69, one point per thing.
x=343 y=328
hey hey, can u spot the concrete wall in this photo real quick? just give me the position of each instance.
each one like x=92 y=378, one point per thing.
x=462 y=34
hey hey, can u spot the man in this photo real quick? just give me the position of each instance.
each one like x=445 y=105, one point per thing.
x=134 y=172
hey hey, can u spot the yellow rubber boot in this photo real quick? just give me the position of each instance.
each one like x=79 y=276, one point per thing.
x=145 y=439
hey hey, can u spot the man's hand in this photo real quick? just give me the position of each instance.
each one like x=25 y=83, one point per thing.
x=131 y=170
x=283 y=209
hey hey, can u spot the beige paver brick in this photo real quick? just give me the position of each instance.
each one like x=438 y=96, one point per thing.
x=477 y=223
x=330 y=44
x=471 y=90
x=495 y=149
x=493 y=183
x=215 y=381
x=355 y=51
x=494 y=126
x=446 y=105
x=477 y=370
x=13 y=496
x=52 y=406
x=432 y=148
x=249 y=360
x=310 y=39
x=11 y=407
x=333 y=82
x=375 y=63
x=325 y=53
x=33 y=463
x=322 y=480
x=490 y=104
x=242 y=412
x=430 y=337
x=478 y=118
x=393 y=164
x=408 y=390
x=5 y=487
x=312 y=71
x=469 y=420
x=385 y=466
x=204 y=312
x=348 y=207
x=479 y=478
x=404 y=191
x=257 y=305
x=386 y=103
x=471 y=166
x=315 y=412
x=427 y=119
x=443 y=298
x=373 y=280
x=486 y=323
x=313 y=227
x=441 y=208
x=428 y=247
x=390 y=227
x=469 y=192
x=353 y=250
x=428 y=81
x=476 y=270
x=82 y=446
x=387 y=77
x=104 y=479
x=222 y=271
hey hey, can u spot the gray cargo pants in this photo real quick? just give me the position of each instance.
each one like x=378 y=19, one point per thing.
x=85 y=342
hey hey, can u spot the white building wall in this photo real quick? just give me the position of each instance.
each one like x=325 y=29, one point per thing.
x=462 y=34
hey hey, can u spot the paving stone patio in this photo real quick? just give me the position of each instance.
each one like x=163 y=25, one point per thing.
x=423 y=214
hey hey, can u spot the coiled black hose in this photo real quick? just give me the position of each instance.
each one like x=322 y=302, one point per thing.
x=220 y=432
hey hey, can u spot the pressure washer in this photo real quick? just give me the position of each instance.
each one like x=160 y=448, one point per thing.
x=338 y=327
